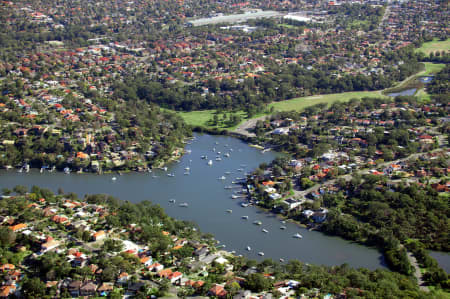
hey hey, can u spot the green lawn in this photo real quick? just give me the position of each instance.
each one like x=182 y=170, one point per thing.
x=301 y=103
x=203 y=117
x=432 y=68
x=435 y=45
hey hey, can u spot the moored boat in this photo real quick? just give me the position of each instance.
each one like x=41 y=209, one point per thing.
x=298 y=236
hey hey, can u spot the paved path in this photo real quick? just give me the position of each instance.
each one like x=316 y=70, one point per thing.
x=247 y=126
x=417 y=274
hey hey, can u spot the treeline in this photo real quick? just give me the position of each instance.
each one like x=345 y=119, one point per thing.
x=376 y=214
x=253 y=93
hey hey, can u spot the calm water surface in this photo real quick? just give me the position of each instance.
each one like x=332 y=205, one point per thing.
x=443 y=259
x=209 y=201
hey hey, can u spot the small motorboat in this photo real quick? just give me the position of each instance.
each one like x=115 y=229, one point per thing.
x=244 y=205
x=281 y=260
x=298 y=236
x=183 y=204
x=171 y=174
x=244 y=217
x=283 y=227
x=261 y=253
x=257 y=222
x=210 y=162
x=229 y=211
x=265 y=230
x=113 y=178
x=172 y=200
x=248 y=248
x=222 y=178
x=187 y=168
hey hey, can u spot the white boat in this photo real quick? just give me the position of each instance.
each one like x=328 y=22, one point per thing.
x=283 y=227
x=27 y=167
x=172 y=200
x=165 y=168
x=234 y=196
x=227 y=155
x=298 y=236
x=257 y=222
x=222 y=178
x=113 y=178
x=210 y=162
x=67 y=170
x=244 y=205
x=281 y=260
x=230 y=211
x=184 y=204
x=261 y=253
x=218 y=159
x=265 y=230
x=188 y=151
x=248 y=248
x=240 y=169
x=204 y=157
x=170 y=174
x=42 y=170
x=244 y=217
x=187 y=173
x=227 y=172
x=187 y=168
x=228 y=187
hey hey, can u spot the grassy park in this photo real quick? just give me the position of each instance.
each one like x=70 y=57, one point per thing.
x=434 y=45
x=204 y=118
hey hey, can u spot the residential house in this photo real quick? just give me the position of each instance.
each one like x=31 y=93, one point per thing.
x=217 y=291
x=105 y=289
x=88 y=289
x=74 y=288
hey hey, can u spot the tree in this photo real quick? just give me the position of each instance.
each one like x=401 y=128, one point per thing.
x=257 y=282
x=33 y=288
x=7 y=237
x=21 y=190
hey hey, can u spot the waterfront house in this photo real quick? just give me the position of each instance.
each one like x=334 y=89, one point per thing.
x=292 y=203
